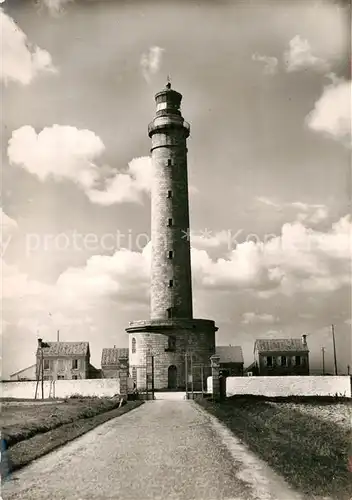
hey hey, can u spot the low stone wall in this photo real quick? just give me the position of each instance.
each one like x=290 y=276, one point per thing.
x=287 y=386
x=63 y=388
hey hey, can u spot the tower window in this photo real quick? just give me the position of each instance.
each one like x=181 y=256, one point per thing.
x=171 y=344
x=169 y=312
x=133 y=345
x=169 y=194
x=171 y=283
x=169 y=162
x=171 y=254
x=169 y=222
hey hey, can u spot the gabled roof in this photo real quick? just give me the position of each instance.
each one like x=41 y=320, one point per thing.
x=280 y=345
x=66 y=349
x=229 y=353
x=23 y=370
x=110 y=355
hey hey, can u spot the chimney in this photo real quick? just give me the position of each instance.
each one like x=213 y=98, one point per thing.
x=40 y=343
x=304 y=340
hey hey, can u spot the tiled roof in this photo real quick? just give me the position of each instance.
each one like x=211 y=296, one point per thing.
x=279 y=345
x=110 y=356
x=66 y=349
x=229 y=353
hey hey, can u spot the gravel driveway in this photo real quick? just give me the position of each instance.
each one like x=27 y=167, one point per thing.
x=162 y=450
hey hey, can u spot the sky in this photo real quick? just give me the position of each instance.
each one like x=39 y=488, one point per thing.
x=267 y=90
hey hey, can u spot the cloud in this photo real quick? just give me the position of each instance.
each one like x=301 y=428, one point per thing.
x=55 y=7
x=252 y=318
x=299 y=56
x=151 y=61
x=310 y=213
x=270 y=63
x=67 y=153
x=299 y=260
x=21 y=61
x=331 y=115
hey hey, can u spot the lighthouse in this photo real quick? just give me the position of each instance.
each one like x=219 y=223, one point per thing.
x=180 y=344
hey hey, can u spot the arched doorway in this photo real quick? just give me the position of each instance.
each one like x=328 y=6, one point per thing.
x=172 y=377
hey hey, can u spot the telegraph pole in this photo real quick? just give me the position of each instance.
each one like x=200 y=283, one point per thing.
x=323 y=355
x=333 y=340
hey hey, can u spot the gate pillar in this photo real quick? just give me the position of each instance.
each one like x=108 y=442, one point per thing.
x=123 y=362
x=215 y=371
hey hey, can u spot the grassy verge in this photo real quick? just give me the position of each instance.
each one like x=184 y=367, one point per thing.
x=28 y=450
x=311 y=454
x=22 y=421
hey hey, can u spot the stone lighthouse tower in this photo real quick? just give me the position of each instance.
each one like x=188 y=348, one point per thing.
x=176 y=340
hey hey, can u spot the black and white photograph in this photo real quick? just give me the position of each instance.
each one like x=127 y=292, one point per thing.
x=176 y=250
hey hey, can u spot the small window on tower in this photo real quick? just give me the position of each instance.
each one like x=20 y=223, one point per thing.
x=133 y=345
x=171 y=254
x=171 y=283
x=169 y=163
x=169 y=222
x=169 y=312
x=169 y=194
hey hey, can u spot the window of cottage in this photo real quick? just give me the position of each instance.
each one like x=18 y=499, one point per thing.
x=61 y=377
x=46 y=364
x=74 y=377
x=134 y=345
x=74 y=364
x=297 y=360
x=283 y=361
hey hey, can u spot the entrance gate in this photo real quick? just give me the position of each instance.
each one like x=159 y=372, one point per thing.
x=143 y=379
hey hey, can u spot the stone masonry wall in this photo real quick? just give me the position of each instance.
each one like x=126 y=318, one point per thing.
x=170 y=147
x=200 y=343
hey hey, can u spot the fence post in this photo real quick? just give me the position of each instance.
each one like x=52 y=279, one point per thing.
x=123 y=362
x=215 y=370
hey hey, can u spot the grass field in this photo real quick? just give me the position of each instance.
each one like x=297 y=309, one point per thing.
x=297 y=440
x=32 y=429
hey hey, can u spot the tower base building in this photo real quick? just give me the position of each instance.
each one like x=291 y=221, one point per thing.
x=181 y=345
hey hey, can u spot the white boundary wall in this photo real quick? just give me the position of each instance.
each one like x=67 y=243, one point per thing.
x=63 y=388
x=287 y=386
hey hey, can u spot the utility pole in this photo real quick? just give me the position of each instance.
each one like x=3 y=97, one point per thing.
x=323 y=354
x=42 y=369
x=333 y=340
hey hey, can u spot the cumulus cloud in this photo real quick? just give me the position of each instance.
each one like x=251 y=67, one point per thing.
x=308 y=212
x=151 y=61
x=299 y=260
x=299 y=56
x=270 y=63
x=253 y=318
x=331 y=115
x=67 y=153
x=21 y=61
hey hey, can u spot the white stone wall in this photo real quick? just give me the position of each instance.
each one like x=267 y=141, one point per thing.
x=63 y=388
x=287 y=386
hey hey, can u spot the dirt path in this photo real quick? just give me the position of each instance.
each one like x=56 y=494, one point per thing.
x=162 y=450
